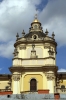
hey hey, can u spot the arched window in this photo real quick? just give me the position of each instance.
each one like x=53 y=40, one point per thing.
x=62 y=87
x=33 y=85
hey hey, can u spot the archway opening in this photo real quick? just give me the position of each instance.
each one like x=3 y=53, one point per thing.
x=33 y=85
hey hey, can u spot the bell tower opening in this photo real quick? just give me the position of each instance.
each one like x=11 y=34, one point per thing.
x=33 y=85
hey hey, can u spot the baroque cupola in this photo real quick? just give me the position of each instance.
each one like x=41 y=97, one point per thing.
x=36 y=25
x=35 y=31
x=34 y=57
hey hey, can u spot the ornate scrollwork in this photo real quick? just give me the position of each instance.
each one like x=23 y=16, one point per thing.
x=46 y=46
x=50 y=76
x=51 y=52
x=16 y=77
x=22 y=47
x=15 y=52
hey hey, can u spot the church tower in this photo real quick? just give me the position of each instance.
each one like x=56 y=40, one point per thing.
x=34 y=62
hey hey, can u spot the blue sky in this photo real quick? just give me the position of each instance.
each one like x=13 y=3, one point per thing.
x=52 y=15
x=1 y=0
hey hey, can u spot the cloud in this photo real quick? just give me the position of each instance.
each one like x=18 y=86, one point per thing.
x=16 y=15
x=1 y=69
x=6 y=49
x=53 y=18
x=62 y=70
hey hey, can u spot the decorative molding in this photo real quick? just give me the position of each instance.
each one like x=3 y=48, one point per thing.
x=16 y=77
x=15 y=52
x=34 y=69
x=51 y=53
x=50 y=76
x=46 y=46
x=25 y=42
x=22 y=47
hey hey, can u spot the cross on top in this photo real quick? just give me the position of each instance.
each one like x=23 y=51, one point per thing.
x=36 y=14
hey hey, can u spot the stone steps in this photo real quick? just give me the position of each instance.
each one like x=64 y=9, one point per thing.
x=32 y=96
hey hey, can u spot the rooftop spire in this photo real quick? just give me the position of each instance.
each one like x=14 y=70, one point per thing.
x=35 y=14
x=35 y=17
x=35 y=25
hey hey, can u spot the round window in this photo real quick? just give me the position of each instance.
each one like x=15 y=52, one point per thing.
x=34 y=36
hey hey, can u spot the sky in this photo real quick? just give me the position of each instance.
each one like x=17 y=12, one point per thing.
x=16 y=15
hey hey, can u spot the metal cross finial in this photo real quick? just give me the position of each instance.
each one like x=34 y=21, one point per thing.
x=36 y=14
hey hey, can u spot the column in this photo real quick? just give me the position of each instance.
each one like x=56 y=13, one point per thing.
x=50 y=82
x=16 y=84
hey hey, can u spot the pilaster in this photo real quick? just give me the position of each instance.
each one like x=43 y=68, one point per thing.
x=50 y=81
x=16 y=84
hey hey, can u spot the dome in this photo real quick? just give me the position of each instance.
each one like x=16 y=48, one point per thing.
x=35 y=20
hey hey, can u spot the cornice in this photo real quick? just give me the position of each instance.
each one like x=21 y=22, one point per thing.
x=63 y=74
x=33 y=58
x=5 y=76
x=35 y=69
x=35 y=41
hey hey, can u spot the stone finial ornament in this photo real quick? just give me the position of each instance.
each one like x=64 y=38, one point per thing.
x=53 y=35
x=17 y=36
x=46 y=32
x=23 y=33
